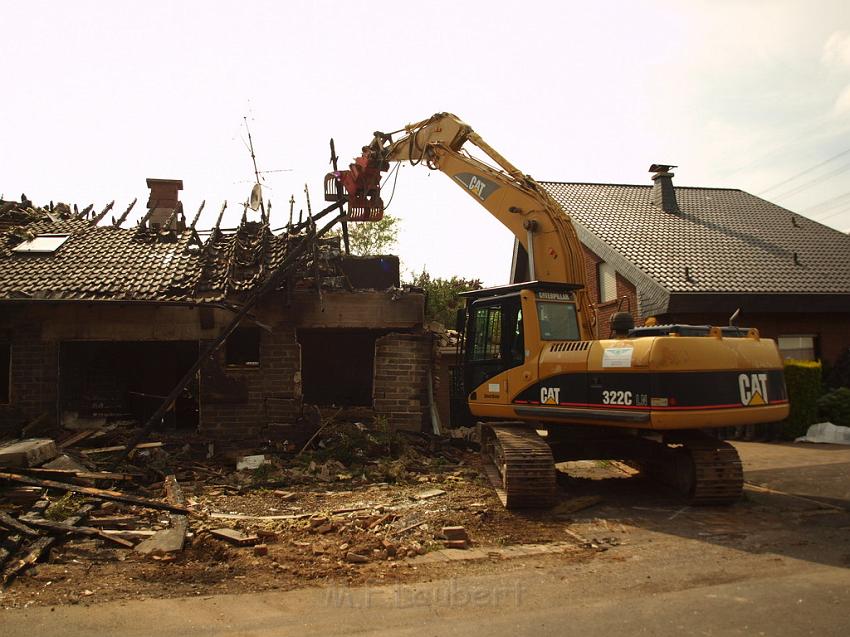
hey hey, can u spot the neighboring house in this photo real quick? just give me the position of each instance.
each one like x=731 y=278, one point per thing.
x=99 y=321
x=696 y=255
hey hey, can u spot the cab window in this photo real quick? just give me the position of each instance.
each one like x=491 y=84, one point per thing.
x=558 y=321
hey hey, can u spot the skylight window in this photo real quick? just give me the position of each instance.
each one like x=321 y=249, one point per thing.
x=42 y=244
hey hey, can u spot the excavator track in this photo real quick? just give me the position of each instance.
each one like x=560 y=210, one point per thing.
x=519 y=465
x=705 y=470
x=718 y=474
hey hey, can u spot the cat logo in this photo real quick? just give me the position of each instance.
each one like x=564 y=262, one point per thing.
x=753 y=389
x=550 y=395
x=478 y=186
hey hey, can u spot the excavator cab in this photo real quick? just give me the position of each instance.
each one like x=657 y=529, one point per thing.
x=501 y=336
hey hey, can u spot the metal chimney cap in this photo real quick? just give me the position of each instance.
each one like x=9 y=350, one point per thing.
x=661 y=168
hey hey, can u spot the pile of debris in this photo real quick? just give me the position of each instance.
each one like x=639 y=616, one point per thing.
x=170 y=495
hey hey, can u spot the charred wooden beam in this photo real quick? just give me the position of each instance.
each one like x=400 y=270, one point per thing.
x=123 y=217
x=172 y=218
x=143 y=221
x=14 y=525
x=103 y=494
x=340 y=198
x=37 y=548
x=198 y=215
x=102 y=214
x=70 y=529
x=217 y=227
x=85 y=212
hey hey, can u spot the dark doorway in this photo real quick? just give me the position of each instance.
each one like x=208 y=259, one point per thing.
x=337 y=366
x=127 y=380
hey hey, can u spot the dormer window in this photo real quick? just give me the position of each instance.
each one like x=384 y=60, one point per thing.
x=42 y=244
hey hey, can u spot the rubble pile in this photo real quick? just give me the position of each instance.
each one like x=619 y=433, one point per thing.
x=355 y=501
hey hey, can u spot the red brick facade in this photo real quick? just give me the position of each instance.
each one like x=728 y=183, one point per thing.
x=831 y=330
x=626 y=299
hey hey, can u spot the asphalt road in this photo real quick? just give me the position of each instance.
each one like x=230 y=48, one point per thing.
x=811 y=599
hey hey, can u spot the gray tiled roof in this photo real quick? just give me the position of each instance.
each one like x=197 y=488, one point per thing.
x=730 y=241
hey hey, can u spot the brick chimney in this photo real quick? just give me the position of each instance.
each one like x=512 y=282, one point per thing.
x=163 y=200
x=663 y=193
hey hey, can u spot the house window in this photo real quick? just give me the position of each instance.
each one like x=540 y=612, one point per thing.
x=243 y=347
x=800 y=347
x=5 y=372
x=606 y=275
x=42 y=244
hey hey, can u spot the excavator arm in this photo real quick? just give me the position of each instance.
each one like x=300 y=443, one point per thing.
x=540 y=225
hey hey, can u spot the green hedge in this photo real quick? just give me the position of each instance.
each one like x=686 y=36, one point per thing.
x=803 y=380
x=834 y=407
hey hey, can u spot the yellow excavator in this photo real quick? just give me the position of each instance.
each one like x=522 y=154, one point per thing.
x=541 y=384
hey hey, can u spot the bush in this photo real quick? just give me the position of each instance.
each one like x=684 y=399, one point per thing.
x=803 y=380
x=839 y=374
x=835 y=407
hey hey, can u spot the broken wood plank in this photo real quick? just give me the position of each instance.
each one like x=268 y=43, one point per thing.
x=244 y=516
x=72 y=473
x=114 y=521
x=9 y=547
x=169 y=540
x=76 y=437
x=62 y=527
x=37 y=548
x=143 y=445
x=143 y=533
x=235 y=537
x=406 y=528
x=14 y=525
x=430 y=493
x=103 y=494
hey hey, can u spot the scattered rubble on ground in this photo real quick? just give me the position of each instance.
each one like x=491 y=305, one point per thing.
x=355 y=503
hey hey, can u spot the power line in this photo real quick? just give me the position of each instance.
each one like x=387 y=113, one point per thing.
x=826 y=205
x=833 y=214
x=806 y=172
x=808 y=184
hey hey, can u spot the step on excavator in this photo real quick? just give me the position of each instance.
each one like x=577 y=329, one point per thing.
x=540 y=383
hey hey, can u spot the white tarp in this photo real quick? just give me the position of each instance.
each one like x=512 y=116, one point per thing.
x=826 y=432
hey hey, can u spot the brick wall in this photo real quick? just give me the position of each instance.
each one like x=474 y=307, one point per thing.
x=604 y=311
x=240 y=401
x=401 y=368
x=34 y=376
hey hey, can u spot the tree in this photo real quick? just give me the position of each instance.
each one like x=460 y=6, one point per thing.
x=442 y=300
x=374 y=237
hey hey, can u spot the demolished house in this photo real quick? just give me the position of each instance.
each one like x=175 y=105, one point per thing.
x=99 y=322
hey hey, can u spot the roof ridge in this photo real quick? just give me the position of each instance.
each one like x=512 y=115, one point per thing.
x=599 y=183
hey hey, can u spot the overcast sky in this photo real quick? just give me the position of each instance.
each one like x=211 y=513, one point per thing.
x=97 y=96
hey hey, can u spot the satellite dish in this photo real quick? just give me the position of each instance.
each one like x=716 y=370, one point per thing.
x=256 y=197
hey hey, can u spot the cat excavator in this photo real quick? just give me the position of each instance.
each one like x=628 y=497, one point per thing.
x=538 y=379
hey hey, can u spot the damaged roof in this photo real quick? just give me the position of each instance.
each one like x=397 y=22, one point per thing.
x=721 y=242
x=142 y=263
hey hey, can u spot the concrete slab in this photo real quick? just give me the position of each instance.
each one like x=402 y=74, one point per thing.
x=65 y=462
x=30 y=452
